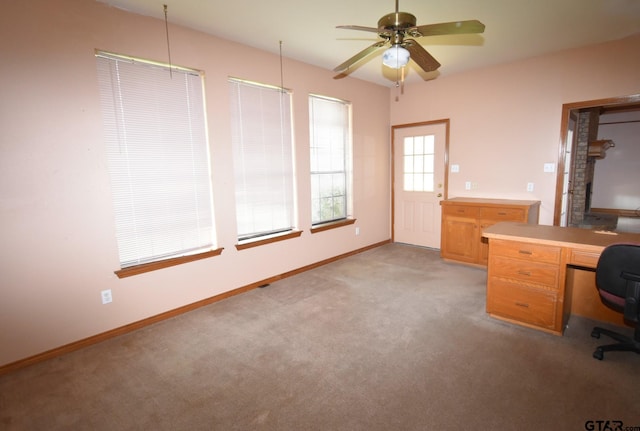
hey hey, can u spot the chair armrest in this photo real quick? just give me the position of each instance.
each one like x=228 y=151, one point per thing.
x=632 y=300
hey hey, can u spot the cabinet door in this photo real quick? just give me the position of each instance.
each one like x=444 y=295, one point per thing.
x=461 y=239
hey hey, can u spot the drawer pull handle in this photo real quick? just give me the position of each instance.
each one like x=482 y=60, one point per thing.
x=525 y=252
x=522 y=304
x=502 y=213
x=527 y=273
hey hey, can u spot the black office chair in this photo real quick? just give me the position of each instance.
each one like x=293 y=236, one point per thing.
x=618 y=282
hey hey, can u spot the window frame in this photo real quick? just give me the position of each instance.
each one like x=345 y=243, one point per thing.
x=242 y=154
x=421 y=161
x=121 y=149
x=347 y=164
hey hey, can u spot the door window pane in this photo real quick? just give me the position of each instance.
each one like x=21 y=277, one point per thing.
x=419 y=163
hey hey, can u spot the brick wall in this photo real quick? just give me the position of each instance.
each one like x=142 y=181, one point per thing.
x=583 y=166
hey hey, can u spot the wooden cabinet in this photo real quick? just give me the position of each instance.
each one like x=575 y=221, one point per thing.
x=463 y=220
x=525 y=284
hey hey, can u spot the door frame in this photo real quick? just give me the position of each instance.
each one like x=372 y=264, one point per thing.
x=571 y=145
x=445 y=190
x=633 y=99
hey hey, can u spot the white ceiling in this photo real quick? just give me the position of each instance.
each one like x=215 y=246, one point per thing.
x=515 y=29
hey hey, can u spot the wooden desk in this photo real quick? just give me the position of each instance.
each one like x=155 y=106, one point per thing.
x=528 y=270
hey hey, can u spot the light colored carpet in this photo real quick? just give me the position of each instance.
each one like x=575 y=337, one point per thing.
x=389 y=339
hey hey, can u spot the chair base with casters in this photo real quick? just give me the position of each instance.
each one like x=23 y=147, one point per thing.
x=618 y=283
x=625 y=344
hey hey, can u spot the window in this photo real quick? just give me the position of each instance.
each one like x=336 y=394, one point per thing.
x=419 y=163
x=330 y=131
x=261 y=135
x=156 y=139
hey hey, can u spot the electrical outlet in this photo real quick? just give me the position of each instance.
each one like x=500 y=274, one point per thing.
x=106 y=296
x=357 y=230
x=455 y=168
x=529 y=187
x=467 y=185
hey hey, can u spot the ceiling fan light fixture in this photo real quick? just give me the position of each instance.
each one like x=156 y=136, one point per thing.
x=395 y=57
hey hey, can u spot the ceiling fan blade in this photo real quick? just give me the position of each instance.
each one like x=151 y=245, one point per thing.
x=358 y=27
x=456 y=27
x=421 y=56
x=359 y=56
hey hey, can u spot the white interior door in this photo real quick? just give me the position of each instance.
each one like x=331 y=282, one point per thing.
x=419 y=182
x=567 y=191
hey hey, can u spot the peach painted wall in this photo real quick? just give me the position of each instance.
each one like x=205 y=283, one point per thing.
x=58 y=235
x=505 y=120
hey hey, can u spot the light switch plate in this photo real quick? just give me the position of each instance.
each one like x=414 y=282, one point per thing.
x=549 y=167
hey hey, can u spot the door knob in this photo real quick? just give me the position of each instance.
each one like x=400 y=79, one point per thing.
x=439 y=195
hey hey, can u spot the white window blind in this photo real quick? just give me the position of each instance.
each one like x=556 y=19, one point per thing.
x=330 y=139
x=156 y=139
x=263 y=158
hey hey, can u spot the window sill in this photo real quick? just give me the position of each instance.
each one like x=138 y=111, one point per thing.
x=152 y=266
x=332 y=225
x=269 y=240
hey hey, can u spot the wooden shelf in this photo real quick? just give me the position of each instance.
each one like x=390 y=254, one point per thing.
x=598 y=149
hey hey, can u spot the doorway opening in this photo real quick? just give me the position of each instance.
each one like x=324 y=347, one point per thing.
x=580 y=150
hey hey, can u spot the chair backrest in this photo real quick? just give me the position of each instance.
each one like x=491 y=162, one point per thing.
x=618 y=278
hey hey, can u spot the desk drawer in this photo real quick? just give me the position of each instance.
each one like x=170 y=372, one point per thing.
x=521 y=303
x=525 y=251
x=503 y=214
x=529 y=272
x=588 y=259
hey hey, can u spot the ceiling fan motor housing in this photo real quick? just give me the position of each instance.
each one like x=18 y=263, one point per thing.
x=396 y=21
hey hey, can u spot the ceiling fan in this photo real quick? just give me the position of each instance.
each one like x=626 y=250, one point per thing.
x=394 y=28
